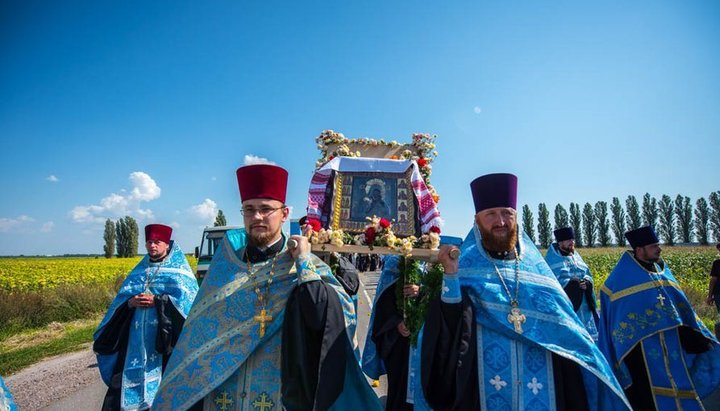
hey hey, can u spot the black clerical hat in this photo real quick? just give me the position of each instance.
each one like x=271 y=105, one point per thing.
x=642 y=236
x=494 y=190
x=565 y=233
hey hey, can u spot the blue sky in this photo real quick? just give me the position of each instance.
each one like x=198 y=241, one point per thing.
x=147 y=108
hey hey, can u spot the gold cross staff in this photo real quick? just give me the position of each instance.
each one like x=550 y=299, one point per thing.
x=263 y=403
x=224 y=401
x=262 y=318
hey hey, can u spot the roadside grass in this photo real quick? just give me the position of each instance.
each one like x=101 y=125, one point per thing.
x=28 y=347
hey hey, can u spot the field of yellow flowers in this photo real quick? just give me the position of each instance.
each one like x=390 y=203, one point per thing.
x=36 y=274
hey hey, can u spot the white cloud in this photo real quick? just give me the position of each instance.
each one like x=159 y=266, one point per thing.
x=144 y=189
x=205 y=211
x=21 y=223
x=477 y=109
x=51 y=178
x=175 y=225
x=253 y=159
x=47 y=227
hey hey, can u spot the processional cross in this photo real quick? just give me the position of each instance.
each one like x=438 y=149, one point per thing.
x=224 y=401
x=262 y=318
x=516 y=318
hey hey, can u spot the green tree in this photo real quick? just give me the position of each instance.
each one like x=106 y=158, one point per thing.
x=528 y=224
x=667 y=220
x=220 y=219
x=109 y=237
x=589 y=225
x=576 y=223
x=544 y=227
x=715 y=214
x=561 y=217
x=649 y=210
x=618 y=221
x=120 y=239
x=133 y=234
x=603 y=224
x=702 y=219
x=633 y=214
x=683 y=214
x=127 y=237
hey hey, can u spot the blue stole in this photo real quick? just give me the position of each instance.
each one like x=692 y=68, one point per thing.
x=6 y=399
x=143 y=365
x=515 y=370
x=220 y=356
x=571 y=267
x=646 y=308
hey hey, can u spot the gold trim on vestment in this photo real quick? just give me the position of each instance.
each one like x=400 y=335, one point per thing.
x=337 y=201
x=638 y=288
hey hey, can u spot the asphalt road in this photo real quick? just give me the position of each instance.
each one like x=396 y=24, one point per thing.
x=71 y=382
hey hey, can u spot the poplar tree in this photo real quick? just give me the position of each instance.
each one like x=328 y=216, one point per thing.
x=603 y=224
x=528 y=224
x=683 y=214
x=544 y=227
x=715 y=215
x=667 y=220
x=618 y=221
x=132 y=239
x=589 y=226
x=576 y=223
x=561 y=217
x=649 y=210
x=633 y=214
x=120 y=239
x=109 y=237
x=220 y=219
x=702 y=219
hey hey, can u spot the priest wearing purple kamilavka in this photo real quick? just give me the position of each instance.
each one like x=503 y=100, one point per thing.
x=504 y=334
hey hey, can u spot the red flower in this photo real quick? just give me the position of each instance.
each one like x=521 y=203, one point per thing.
x=422 y=162
x=384 y=223
x=435 y=229
x=315 y=224
x=370 y=235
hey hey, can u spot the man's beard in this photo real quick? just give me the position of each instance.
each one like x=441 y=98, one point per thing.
x=499 y=242
x=262 y=239
x=567 y=250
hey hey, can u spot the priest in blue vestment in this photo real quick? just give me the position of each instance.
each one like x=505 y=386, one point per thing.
x=663 y=355
x=272 y=327
x=503 y=335
x=574 y=277
x=135 y=339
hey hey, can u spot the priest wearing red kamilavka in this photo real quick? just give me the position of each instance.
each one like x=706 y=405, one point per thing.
x=272 y=327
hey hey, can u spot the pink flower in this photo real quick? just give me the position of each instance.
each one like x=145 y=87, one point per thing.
x=435 y=229
x=384 y=223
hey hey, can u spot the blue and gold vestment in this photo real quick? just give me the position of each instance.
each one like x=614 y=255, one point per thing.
x=569 y=268
x=143 y=364
x=515 y=370
x=222 y=360
x=645 y=310
x=6 y=399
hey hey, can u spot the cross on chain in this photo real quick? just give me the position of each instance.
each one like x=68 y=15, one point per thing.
x=262 y=318
x=661 y=298
x=224 y=401
x=516 y=318
x=263 y=403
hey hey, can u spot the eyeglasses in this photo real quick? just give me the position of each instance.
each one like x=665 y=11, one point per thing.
x=263 y=211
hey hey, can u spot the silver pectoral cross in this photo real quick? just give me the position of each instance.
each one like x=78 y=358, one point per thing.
x=517 y=318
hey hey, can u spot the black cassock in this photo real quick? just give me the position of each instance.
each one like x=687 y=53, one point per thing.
x=449 y=362
x=114 y=338
x=392 y=348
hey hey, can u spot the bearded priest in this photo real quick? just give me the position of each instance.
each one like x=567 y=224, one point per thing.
x=272 y=327
x=503 y=334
